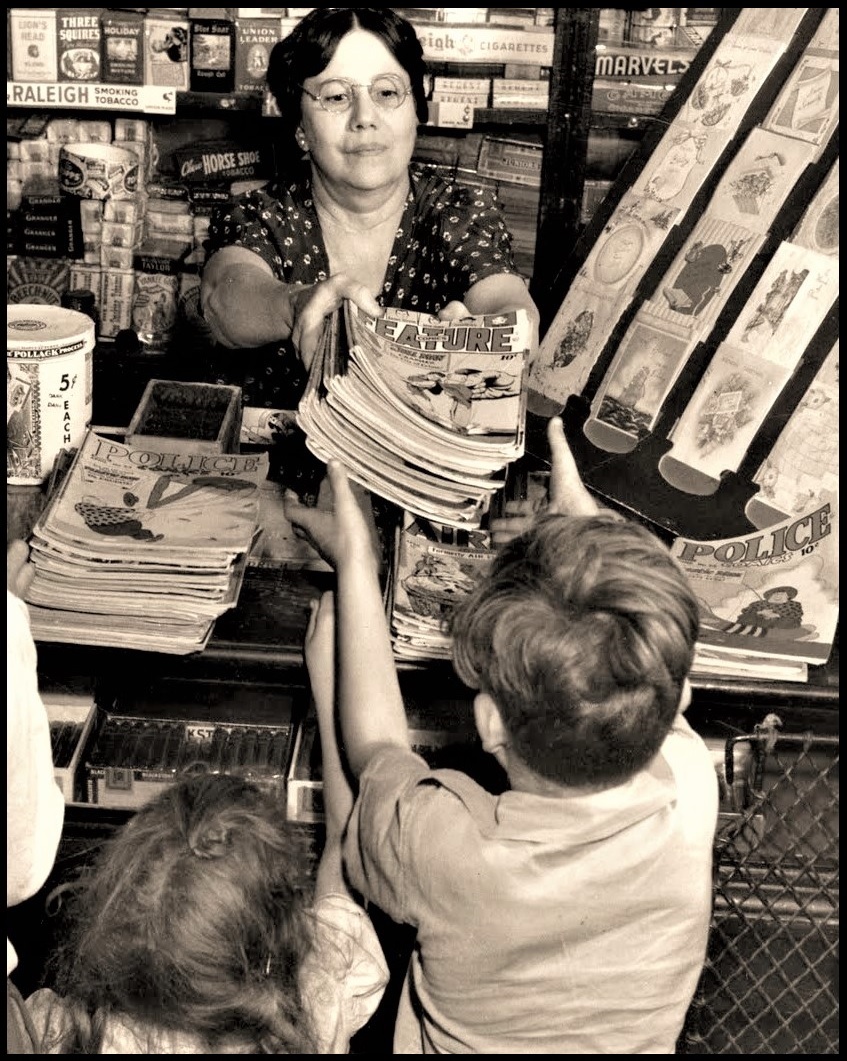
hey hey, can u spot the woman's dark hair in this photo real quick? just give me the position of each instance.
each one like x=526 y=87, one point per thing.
x=309 y=49
x=193 y=919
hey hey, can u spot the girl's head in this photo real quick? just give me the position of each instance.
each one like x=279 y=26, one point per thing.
x=193 y=919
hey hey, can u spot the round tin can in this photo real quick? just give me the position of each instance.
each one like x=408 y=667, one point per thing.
x=49 y=371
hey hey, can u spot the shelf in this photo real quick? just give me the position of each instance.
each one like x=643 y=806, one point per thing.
x=60 y=95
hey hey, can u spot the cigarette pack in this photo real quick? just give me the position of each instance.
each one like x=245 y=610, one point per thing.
x=123 y=47
x=33 y=33
x=78 y=36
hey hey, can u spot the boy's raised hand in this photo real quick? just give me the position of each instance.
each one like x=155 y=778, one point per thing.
x=319 y=652
x=569 y=496
x=347 y=534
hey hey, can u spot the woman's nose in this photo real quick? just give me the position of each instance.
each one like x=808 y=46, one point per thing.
x=363 y=111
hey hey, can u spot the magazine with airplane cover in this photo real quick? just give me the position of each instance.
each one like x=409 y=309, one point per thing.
x=466 y=375
x=773 y=592
x=134 y=501
x=426 y=414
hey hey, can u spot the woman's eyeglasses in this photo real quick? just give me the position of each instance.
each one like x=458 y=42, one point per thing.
x=388 y=91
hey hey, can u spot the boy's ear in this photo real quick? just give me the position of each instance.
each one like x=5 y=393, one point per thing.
x=489 y=724
x=685 y=697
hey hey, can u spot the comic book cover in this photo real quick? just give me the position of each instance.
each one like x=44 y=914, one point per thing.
x=773 y=592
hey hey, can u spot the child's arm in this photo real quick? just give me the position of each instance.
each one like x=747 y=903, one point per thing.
x=567 y=494
x=371 y=706
x=319 y=650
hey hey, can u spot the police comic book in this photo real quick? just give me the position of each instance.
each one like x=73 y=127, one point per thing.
x=773 y=592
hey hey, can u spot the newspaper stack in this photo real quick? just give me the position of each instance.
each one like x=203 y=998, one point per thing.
x=426 y=414
x=140 y=547
x=434 y=567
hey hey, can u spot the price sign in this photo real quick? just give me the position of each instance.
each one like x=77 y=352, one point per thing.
x=451 y=115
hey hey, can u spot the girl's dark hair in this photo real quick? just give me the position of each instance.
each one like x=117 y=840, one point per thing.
x=309 y=49
x=193 y=919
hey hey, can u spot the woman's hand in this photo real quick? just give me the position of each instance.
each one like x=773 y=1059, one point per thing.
x=346 y=535
x=19 y=571
x=312 y=304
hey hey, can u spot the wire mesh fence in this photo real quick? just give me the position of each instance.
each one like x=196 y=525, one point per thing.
x=770 y=984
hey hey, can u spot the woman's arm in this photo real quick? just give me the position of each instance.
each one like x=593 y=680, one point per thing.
x=245 y=305
x=243 y=302
x=497 y=293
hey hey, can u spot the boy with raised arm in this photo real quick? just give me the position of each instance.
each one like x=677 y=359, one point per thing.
x=569 y=914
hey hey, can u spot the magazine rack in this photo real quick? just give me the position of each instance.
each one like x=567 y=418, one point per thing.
x=647 y=479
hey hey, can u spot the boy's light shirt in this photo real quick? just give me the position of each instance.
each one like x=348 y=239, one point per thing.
x=545 y=925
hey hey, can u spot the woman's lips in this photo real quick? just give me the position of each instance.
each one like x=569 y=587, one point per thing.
x=367 y=149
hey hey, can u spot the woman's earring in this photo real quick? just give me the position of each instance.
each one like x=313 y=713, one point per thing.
x=302 y=142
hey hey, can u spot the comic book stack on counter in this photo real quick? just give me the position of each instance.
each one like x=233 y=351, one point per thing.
x=143 y=547
x=424 y=413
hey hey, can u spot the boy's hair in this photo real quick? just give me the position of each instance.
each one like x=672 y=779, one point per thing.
x=583 y=635
x=193 y=919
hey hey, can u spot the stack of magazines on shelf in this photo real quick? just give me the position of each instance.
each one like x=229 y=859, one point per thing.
x=434 y=568
x=768 y=599
x=426 y=414
x=142 y=547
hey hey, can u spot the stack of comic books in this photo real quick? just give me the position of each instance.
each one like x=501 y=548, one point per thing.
x=424 y=413
x=434 y=568
x=141 y=547
x=768 y=599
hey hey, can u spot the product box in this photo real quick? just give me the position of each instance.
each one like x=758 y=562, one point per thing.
x=37 y=280
x=149 y=737
x=50 y=226
x=254 y=40
x=166 y=50
x=116 y=290
x=123 y=47
x=71 y=712
x=188 y=417
x=78 y=35
x=33 y=44
x=212 y=66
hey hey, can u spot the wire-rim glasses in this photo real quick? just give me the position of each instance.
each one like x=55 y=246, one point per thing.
x=388 y=91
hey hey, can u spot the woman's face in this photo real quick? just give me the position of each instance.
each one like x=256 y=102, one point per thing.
x=367 y=147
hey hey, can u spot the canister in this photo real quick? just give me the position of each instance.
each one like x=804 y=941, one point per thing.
x=49 y=370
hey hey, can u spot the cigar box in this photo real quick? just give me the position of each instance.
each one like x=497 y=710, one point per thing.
x=71 y=713
x=188 y=417
x=146 y=740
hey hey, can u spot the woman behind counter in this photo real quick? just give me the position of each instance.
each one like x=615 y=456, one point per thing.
x=356 y=219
